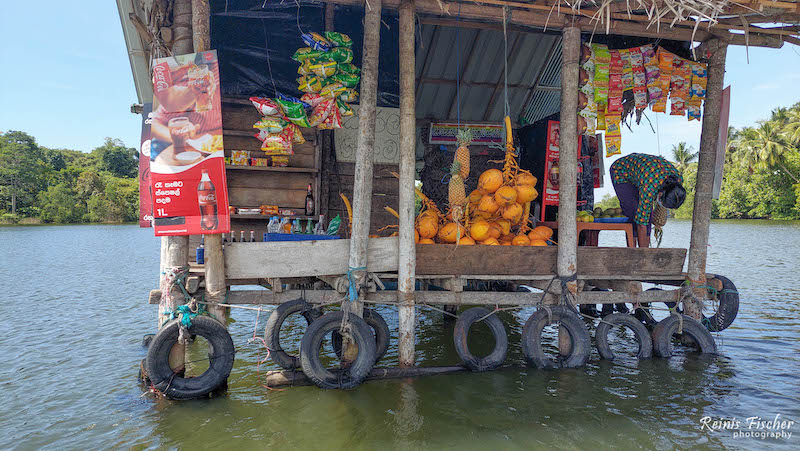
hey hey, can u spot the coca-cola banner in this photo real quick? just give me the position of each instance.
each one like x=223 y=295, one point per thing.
x=145 y=189
x=187 y=160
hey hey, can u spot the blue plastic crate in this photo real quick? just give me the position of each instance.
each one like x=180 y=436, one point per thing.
x=297 y=237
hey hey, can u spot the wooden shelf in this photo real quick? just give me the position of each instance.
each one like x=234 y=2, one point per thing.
x=271 y=168
x=266 y=217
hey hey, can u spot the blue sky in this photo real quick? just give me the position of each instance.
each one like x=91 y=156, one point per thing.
x=67 y=81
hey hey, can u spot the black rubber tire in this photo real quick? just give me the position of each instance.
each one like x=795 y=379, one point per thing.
x=379 y=327
x=221 y=355
x=273 y=330
x=667 y=327
x=461 y=330
x=312 y=342
x=622 y=319
x=728 y=307
x=532 y=338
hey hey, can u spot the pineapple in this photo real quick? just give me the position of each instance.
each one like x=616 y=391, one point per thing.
x=464 y=138
x=456 y=194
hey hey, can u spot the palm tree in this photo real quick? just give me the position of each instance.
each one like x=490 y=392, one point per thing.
x=765 y=146
x=683 y=155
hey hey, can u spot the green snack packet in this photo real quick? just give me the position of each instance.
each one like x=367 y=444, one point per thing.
x=347 y=80
x=333 y=227
x=295 y=112
x=341 y=55
x=305 y=53
x=349 y=68
x=344 y=109
x=338 y=39
x=349 y=95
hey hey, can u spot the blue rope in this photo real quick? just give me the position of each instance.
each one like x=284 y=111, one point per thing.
x=185 y=313
x=352 y=291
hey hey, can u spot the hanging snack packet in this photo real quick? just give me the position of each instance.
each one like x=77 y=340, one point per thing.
x=601 y=118
x=341 y=55
x=349 y=95
x=316 y=41
x=312 y=98
x=278 y=143
x=321 y=112
x=285 y=98
x=613 y=145
x=699 y=81
x=640 y=97
x=637 y=60
x=677 y=106
x=613 y=124
x=305 y=68
x=323 y=68
x=615 y=93
x=338 y=39
x=333 y=121
x=627 y=69
x=660 y=105
x=297 y=135
x=333 y=226
x=332 y=90
x=295 y=112
x=600 y=82
x=347 y=80
x=267 y=107
x=587 y=57
x=305 y=53
x=344 y=109
x=693 y=110
x=271 y=124
x=349 y=68
x=648 y=55
x=309 y=83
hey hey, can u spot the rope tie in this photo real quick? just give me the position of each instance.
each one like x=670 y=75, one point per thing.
x=352 y=289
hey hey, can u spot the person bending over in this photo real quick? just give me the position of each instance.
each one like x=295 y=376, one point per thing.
x=642 y=181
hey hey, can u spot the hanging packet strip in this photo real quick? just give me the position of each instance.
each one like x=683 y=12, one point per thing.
x=627 y=69
x=694 y=110
x=323 y=68
x=321 y=112
x=602 y=61
x=312 y=98
x=278 y=143
x=309 y=83
x=344 y=109
x=297 y=135
x=305 y=53
x=601 y=118
x=338 y=39
x=341 y=55
x=640 y=97
x=267 y=107
x=347 y=80
x=333 y=121
x=316 y=41
x=332 y=90
x=272 y=124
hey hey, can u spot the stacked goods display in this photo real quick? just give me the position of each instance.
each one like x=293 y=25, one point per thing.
x=328 y=79
x=653 y=76
x=496 y=213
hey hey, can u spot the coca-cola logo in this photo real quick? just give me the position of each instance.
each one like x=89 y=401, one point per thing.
x=161 y=77
x=207 y=198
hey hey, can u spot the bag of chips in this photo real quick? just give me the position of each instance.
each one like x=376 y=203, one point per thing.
x=341 y=55
x=316 y=41
x=321 y=112
x=305 y=53
x=333 y=121
x=240 y=157
x=338 y=39
x=297 y=135
x=640 y=97
x=309 y=83
x=323 y=68
x=613 y=145
x=278 y=143
x=267 y=107
x=347 y=80
x=305 y=68
x=601 y=118
x=693 y=110
x=312 y=98
x=332 y=90
x=349 y=95
x=295 y=112
x=677 y=106
x=333 y=226
x=349 y=68
x=271 y=124
x=344 y=109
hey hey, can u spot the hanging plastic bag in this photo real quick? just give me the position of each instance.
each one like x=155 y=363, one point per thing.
x=316 y=41
x=267 y=107
x=338 y=39
x=321 y=112
x=344 y=109
x=341 y=55
x=305 y=53
x=272 y=124
x=333 y=227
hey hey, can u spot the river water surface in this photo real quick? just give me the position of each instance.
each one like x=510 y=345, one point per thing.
x=73 y=313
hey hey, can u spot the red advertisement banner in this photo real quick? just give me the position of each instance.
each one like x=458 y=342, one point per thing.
x=187 y=160
x=551 y=172
x=145 y=189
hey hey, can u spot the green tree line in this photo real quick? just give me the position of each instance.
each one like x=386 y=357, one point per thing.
x=761 y=178
x=67 y=186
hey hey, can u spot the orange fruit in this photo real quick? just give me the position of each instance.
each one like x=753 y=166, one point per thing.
x=466 y=240
x=524 y=178
x=513 y=212
x=426 y=241
x=452 y=232
x=541 y=233
x=526 y=193
x=488 y=205
x=480 y=230
x=416 y=236
x=505 y=195
x=521 y=240
x=428 y=226
x=475 y=197
x=490 y=241
x=505 y=226
x=495 y=230
x=538 y=243
x=490 y=180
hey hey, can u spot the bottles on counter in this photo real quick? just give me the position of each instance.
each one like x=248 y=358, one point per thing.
x=319 y=229
x=309 y=202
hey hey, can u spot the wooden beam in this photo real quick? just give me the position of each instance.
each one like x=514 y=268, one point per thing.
x=407 y=256
x=701 y=215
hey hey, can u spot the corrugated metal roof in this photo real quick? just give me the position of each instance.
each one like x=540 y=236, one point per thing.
x=476 y=56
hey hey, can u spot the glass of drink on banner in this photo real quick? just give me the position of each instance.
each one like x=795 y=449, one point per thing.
x=201 y=84
x=180 y=129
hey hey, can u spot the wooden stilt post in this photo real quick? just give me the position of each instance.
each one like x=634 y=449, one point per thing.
x=362 y=184
x=175 y=249
x=568 y=167
x=408 y=134
x=701 y=216
x=329 y=15
x=216 y=286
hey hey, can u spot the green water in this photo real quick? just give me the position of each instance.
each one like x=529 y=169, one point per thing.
x=74 y=312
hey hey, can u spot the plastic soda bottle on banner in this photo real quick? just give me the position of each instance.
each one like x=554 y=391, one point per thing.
x=207 y=200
